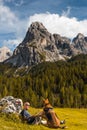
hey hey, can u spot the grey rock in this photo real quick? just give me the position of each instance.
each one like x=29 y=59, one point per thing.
x=80 y=43
x=39 y=45
x=9 y=104
x=63 y=45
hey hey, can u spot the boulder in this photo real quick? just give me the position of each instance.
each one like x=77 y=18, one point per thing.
x=9 y=104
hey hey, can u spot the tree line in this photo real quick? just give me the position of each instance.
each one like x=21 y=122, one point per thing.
x=63 y=83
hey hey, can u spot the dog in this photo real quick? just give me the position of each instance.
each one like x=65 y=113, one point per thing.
x=49 y=114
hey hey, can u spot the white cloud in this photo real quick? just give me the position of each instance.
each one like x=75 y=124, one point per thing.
x=11 y=43
x=7 y=19
x=67 y=12
x=9 y=22
x=62 y=25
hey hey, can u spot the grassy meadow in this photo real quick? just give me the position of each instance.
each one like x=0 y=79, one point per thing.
x=76 y=119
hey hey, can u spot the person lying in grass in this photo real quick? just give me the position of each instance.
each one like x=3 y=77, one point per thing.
x=51 y=119
x=26 y=116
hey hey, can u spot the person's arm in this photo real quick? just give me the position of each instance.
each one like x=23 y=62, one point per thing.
x=40 y=113
x=26 y=115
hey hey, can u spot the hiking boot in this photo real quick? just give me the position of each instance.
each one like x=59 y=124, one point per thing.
x=38 y=120
x=62 y=122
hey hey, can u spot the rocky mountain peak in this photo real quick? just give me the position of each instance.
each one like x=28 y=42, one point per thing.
x=35 y=32
x=38 y=26
x=37 y=46
x=63 y=45
x=80 y=36
x=40 y=45
x=80 y=43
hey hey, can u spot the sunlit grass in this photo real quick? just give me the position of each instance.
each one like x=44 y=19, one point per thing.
x=76 y=119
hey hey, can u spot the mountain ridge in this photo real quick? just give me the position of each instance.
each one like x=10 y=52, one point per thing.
x=40 y=45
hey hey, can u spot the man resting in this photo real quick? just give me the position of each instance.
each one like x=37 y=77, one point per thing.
x=26 y=116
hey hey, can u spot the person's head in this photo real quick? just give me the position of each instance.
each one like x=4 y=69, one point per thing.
x=26 y=105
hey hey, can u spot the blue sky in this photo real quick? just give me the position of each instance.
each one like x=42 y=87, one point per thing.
x=65 y=17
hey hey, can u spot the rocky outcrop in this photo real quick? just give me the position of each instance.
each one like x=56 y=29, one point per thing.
x=10 y=104
x=80 y=43
x=63 y=45
x=5 y=53
x=39 y=45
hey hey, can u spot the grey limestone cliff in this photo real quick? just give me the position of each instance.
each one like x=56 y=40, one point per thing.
x=39 y=45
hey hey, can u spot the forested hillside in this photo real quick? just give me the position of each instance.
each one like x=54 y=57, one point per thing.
x=63 y=82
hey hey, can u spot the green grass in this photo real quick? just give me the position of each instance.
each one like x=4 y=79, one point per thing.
x=76 y=119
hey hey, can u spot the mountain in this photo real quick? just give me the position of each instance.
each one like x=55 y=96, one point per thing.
x=80 y=43
x=39 y=45
x=63 y=45
x=5 y=53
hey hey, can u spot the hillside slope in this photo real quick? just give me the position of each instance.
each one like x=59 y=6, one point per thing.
x=76 y=119
x=64 y=83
